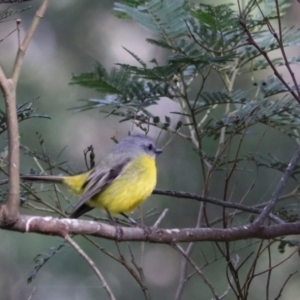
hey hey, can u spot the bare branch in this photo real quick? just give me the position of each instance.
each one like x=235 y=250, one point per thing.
x=277 y=192
x=205 y=199
x=61 y=227
x=9 y=211
x=141 y=278
x=162 y=215
x=267 y=58
x=198 y=271
x=32 y=293
x=13 y=1
x=93 y=265
x=19 y=22
x=24 y=46
x=284 y=284
x=280 y=43
x=278 y=264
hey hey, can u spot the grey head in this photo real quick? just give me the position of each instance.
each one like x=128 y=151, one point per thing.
x=138 y=144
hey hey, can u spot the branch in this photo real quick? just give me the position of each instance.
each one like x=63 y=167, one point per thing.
x=13 y=1
x=280 y=186
x=62 y=227
x=92 y=264
x=251 y=41
x=198 y=271
x=280 y=42
x=9 y=211
x=24 y=46
x=284 y=284
x=186 y=195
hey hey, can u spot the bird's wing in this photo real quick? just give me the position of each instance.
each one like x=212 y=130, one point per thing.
x=98 y=180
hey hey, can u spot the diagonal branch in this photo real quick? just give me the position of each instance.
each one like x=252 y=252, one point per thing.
x=198 y=271
x=264 y=53
x=277 y=192
x=92 y=264
x=24 y=46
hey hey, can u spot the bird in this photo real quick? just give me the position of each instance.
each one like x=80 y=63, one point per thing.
x=121 y=182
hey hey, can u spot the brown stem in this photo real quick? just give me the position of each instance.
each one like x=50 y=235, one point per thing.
x=9 y=211
x=278 y=191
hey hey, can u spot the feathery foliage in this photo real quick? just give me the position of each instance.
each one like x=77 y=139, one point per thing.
x=203 y=42
x=199 y=39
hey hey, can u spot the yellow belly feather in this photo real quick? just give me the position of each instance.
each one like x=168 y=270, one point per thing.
x=132 y=187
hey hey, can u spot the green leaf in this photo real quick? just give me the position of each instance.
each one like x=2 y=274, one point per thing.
x=164 y=18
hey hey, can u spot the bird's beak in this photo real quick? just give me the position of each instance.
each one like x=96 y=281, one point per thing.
x=158 y=151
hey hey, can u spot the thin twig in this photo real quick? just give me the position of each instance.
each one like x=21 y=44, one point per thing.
x=229 y=287
x=183 y=279
x=278 y=190
x=280 y=43
x=250 y=274
x=284 y=284
x=270 y=269
x=93 y=266
x=267 y=58
x=205 y=199
x=23 y=48
x=161 y=217
x=184 y=262
x=19 y=21
x=141 y=280
x=277 y=265
x=211 y=50
x=198 y=271
x=32 y=293
x=138 y=277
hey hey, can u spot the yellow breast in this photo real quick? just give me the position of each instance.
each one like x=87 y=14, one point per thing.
x=132 y=187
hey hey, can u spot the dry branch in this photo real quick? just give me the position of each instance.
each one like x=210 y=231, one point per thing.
x=62 y=227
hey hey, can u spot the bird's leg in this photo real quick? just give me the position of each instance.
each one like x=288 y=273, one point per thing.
x=119 y=231
x=147 y=229
x=132 y=221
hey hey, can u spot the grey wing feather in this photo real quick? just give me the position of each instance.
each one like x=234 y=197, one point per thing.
x=98 y=180
x=95 y=183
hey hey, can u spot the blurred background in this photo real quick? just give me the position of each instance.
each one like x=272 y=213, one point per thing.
x=70 y=38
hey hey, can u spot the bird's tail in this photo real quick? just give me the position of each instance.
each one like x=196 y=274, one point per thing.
x=75 y=183
x=43 y=178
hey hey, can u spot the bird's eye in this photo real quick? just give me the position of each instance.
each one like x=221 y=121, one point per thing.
x=150 y=147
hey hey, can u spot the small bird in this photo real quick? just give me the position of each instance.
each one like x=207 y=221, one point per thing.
x=122 y=181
